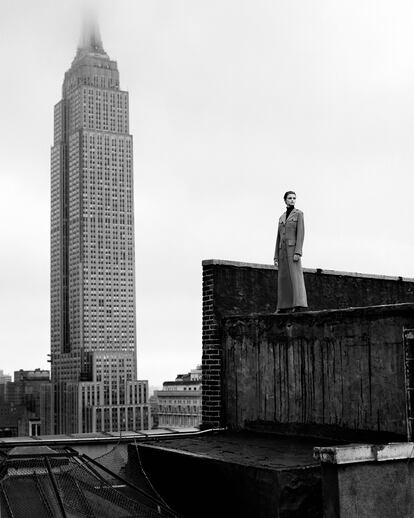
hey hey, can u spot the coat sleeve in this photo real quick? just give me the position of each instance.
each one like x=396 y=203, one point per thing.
x=300 y=234
x=276 y=256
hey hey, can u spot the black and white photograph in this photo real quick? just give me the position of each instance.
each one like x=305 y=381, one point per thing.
x=206 y=270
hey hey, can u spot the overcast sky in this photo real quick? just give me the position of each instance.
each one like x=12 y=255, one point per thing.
x=232 y=103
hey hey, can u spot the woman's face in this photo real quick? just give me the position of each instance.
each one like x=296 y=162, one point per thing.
x=290 y=200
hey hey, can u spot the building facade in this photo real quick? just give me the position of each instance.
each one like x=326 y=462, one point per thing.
x=179 y=401
x=4 y=378
x=20 y=411
x=93 y=320
x=26 y=388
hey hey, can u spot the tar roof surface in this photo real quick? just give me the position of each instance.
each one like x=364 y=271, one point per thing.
x=266 y=451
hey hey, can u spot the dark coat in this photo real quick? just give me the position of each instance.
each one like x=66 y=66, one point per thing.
x=291 y=290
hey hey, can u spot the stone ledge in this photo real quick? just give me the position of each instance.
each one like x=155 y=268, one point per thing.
x=221 y=262
x=319 y=271
x=356 y=453
x=365 y=310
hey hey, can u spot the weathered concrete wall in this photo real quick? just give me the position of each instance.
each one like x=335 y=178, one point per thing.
x=383 y=490
x=363 y=481
x=231 y=288
x=341 y=369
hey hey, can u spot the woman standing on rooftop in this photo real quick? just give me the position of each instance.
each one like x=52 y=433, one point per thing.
x=291 y=292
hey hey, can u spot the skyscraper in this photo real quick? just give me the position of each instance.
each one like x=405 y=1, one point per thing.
x=93 y=321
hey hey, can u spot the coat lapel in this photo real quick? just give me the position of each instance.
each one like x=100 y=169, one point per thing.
x=290 y=215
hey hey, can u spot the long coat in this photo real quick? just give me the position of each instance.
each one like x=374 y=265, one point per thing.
x=291 y=290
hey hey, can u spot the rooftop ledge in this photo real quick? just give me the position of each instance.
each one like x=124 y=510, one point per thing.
x=354 y=453
x=103 y=437
x=320 y=271
x=381 y=309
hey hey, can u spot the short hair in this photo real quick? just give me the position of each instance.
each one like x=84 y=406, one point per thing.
x=287 y=194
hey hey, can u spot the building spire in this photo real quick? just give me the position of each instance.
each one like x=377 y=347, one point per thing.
x=90 y=40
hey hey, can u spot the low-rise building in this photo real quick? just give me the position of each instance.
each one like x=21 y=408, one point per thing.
x=20 y=409
x=179 y=401
x=153 y=401
x=4 y=379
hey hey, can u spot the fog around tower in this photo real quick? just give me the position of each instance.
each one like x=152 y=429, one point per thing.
x=231 y=104
x=90 y=34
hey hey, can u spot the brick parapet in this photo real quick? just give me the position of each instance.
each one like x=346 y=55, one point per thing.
x=212 y=354
x=319 y=271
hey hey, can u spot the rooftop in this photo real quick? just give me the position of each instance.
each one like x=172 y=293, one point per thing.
x=245 y=448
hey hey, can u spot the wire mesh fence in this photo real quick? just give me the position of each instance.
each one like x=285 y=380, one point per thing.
x=68 y=485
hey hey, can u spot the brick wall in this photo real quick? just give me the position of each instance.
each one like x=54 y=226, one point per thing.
x=212 y=353
x=233 y=289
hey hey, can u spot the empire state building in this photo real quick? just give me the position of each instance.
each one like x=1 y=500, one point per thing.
x=93 y=320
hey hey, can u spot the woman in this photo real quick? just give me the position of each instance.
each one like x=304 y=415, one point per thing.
x=291 y=293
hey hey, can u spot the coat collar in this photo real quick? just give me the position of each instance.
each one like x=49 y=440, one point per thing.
x=294 y=211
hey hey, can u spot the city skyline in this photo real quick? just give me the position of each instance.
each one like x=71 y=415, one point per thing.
x=231 y=106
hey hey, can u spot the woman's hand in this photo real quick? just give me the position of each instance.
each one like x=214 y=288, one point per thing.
x=275 y=262
x=296 y=258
